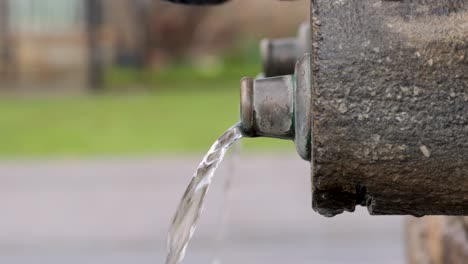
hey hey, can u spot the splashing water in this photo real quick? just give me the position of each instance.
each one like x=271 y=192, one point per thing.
x=191 y=205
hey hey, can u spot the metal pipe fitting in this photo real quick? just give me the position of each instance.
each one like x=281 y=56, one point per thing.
x=279 y=107
x=279 y=56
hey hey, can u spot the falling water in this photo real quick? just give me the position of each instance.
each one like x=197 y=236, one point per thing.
x=221 y=226
x=191 y=205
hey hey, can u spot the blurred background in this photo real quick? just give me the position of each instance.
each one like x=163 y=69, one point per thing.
x=106 y=108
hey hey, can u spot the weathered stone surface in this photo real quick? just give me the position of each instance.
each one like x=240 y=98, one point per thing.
x=390 y=106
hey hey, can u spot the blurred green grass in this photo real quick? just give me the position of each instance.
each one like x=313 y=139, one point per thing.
x=182 y=109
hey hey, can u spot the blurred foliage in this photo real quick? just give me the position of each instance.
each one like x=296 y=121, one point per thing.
x=184 y=110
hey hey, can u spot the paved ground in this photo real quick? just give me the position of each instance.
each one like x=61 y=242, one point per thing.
x=118 y=211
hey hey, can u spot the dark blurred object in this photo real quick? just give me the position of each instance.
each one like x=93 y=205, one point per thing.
x=94 y=20
x=198 y=2
x=5 y=40
x=173 y=30
x=130 y=21
x=152 y=33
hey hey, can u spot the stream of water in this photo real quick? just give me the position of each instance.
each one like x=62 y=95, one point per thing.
x=191 y=204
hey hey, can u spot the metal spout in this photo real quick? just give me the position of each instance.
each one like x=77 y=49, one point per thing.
x=279 y=56
x=279 y=107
